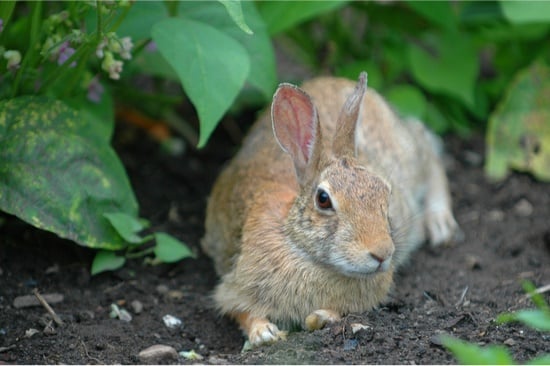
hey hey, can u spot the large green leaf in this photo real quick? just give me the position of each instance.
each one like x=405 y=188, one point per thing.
x=235 y=10
x=408 y=100
x=439 y=13
x=100 y=117
x=258 y=45
x=282 y=15
x=169 y=249
x=54 y=177
x=471 y=354
x=211 y=66
x=524 y=11
x=535 y=318
x=105 y=260
x=446 y=64
x=518 y=134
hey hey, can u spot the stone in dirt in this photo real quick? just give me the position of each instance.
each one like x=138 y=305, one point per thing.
x=31 y=300
x=157 y=354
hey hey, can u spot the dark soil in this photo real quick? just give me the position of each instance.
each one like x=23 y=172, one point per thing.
x=458 y=290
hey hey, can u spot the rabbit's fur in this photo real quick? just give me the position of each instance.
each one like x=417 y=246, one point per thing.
x=285 y=252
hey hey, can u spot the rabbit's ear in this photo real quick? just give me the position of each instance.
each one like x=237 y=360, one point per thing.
x=344 y=139
x=296 y=127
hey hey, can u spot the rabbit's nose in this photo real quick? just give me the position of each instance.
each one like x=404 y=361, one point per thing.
x=383 y=263
x=379 y=259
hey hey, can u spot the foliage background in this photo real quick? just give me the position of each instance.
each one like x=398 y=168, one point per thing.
x=67 y=67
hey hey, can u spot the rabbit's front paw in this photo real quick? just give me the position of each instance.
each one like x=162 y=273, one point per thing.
x=319 y=318
x=262 y=331
x=441 y=226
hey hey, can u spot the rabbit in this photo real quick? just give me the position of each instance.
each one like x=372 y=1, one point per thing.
x=319 y=207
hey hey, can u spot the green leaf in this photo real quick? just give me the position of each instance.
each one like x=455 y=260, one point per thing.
x=151 y=62
x=235 y=10
x=282 y=15
x=260 y=51
x=169 y=249
x=211 y=66
x=518 y=135
x=534 y=318
x=6 y=10
x=524 y=11
x=439 y=13
x=106 y=260
x=435 y=119
x=127 y=226
x=471 y=354
x=100 y=117
x=447 y=64
x=138 y=21
x=408 y=100
x=55 y=178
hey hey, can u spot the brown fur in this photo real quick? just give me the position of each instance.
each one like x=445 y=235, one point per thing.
x=279 y=254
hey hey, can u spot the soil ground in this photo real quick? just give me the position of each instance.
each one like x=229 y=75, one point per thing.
x=458 y=290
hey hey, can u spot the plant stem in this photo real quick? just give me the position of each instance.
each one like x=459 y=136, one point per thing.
x=36 y=23
x=63 y=69
x=140 y=253
x=99 y=26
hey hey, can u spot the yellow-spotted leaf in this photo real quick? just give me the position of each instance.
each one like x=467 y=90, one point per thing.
x=518 y=135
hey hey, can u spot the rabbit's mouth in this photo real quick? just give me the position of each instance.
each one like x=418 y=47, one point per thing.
x=368 y=266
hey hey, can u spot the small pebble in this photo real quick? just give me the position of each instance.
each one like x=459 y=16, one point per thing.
x=137 y=306
x=214 y=360
x=85 y=315
x=30 y=332
x=31 y=300
x=350 y=344
x=52 y=269
x=175 y=294
x=162 y=289
x=158 y=353
x=120 y=313
x=523 y=208
x=510 y=342
x=49 y=329
x=171 y=321
x=496 y=215
x=357 y=327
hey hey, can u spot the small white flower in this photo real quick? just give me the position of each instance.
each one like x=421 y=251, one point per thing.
x=112 y=66
x=126 y=48
x=14 y=59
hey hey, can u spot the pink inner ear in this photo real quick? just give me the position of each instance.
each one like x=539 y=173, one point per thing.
x=294 y=118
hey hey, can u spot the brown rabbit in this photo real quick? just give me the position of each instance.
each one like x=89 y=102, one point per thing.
x=311 y=224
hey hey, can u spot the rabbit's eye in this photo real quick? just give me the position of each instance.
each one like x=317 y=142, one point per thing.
x=323 y=200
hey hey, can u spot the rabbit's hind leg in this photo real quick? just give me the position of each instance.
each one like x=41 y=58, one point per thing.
x=438 y=215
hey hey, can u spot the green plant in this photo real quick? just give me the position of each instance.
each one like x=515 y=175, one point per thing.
x=65 y=65
x=539 y=319
x=455 y=65
x=58 y=171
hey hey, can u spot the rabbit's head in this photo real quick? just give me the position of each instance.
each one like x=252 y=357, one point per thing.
x=340 y=216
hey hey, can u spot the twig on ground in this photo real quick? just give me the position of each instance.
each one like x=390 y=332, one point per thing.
x=462 y=296
x=48 y=308
x=88 y=355
x=7 y=348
